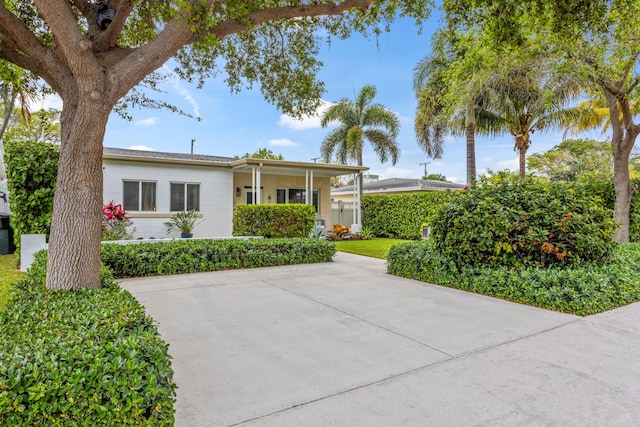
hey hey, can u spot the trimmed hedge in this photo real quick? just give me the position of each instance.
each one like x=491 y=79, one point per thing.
x=274 y=220
x=89 y=357
x=192 y=256
x=581 y=290
x=401 y=215
x=32 y=170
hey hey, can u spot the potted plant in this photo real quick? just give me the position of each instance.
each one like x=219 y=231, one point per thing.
x=184 y=222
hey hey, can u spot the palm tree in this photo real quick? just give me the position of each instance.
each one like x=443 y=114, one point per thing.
x=358 y=121
x=525 y=100
x=14 y=87
x=443 y=107
x=601 y=117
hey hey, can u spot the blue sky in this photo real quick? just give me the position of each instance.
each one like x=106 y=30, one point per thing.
x=235 y=124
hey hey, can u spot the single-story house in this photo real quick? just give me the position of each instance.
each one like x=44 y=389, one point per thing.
x=152 y=186
x=392 y=186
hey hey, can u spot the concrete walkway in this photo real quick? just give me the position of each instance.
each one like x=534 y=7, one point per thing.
x=345 y=344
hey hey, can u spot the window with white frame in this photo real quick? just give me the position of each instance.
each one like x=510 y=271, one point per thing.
x=298 y=195
x=185 y=197
x=139 y=196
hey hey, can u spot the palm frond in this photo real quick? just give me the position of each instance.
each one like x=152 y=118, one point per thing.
x=342 y=112
x=384 y=144
x=331 y=144
x=378 y=115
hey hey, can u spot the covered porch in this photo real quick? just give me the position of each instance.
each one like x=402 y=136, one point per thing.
x=259 y=181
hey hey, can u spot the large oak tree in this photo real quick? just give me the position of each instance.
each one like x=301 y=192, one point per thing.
x=93 y=62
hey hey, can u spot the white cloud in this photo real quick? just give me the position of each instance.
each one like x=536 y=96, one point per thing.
x=403 y=119
x=177 y=84
x=450 y=139
x=455 y=179
x=306 y=122
x=283 y=142
x=393 y=172
x=51 y=101
x=140 y=147
x=512 y=164
x=149 y=121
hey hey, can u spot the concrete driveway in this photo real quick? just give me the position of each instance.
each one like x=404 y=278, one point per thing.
x=345 y=344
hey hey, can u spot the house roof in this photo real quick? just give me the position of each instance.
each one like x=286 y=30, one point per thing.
x=267 y=166
x=111 y=153
x=395 y=185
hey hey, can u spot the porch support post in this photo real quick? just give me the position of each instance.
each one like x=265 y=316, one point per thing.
x=306 y=186
x=257 y=193
x=356 y=227
x=311 y=189
x=253 y=185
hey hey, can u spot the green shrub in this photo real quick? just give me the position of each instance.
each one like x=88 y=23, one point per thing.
x=191 y=256
x=274 y=220
x=512 y=222
x=89 y=357
x=401 y=215
x=32 y=169
x=581 y=290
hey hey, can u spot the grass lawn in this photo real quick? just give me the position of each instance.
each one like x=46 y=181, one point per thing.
x=376 y=248
x=9 y=274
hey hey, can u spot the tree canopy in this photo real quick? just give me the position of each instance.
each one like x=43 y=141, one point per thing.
x=261 y=153
x=596 y=41
x=574 y=159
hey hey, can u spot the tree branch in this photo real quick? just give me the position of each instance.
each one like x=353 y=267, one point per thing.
x=74 y=48
x=108 y=38
x=21 y=36
x=632 y=86
x=630 y=64
x=226 y=28
x=21 y=47
x=177 y=33
x=84 y=8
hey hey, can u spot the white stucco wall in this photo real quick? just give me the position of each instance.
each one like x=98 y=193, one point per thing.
x=216 y=195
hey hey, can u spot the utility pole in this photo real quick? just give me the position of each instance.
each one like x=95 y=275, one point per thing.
x=193 y=141
x=425 y=168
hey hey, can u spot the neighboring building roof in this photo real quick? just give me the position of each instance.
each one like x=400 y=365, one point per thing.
x=396 y=185
x=283 y=167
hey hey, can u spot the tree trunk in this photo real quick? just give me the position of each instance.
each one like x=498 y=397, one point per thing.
x=624 y=134
x=74 y=243
x=623 y=186
x=470 y=121
x=624 y=191
x=523 y=162
x=471 y=154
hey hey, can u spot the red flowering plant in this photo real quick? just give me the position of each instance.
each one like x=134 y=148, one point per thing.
x=115 y=223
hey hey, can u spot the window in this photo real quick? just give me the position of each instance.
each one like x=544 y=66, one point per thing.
x=139 y=196
x=297 y=195
x=185 y=197
x=248 y=198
